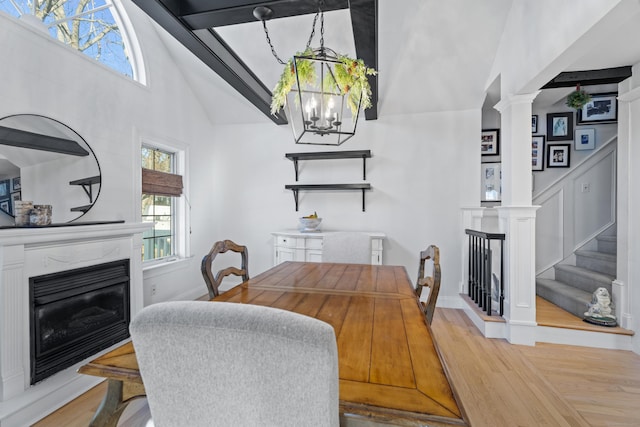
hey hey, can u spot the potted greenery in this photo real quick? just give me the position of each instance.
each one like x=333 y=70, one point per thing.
x=350 y=77
x=578 y=98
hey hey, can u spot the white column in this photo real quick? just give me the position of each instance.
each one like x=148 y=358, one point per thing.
x=628 y=206
x=517 y=219
x=518 y=223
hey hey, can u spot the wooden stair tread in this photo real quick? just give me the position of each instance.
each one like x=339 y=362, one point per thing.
x=549 y=314
x=495 y=316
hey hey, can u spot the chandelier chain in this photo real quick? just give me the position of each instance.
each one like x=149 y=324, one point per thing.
x=321 y=31
x=313 y=32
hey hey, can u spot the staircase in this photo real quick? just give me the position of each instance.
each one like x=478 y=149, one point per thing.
x=574 y=284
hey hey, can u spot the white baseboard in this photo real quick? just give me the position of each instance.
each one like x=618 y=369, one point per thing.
x=583 y=338
x=45 y=397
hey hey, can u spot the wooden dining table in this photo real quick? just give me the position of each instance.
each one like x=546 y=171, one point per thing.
x=389 y=366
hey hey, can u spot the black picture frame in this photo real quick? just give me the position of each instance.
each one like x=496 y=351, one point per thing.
x=537 y=153
x=558 y=155
x=4 y=188
x=15 y=184
x=602 y=108
x=534 y=123
x=5 y=206
x=490 y=142
x=560 y=126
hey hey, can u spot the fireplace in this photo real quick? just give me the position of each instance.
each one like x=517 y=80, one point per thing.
x=75 y=314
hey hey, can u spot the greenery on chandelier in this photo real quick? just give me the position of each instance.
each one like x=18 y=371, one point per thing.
x=578 y=98
x=349 y=77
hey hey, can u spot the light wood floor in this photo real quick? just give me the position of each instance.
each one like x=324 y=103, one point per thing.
x=499 y=384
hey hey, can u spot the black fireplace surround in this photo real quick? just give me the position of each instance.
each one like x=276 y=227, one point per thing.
x=75 y=314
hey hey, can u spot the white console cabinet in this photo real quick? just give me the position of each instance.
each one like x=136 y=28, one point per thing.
x=293 y=245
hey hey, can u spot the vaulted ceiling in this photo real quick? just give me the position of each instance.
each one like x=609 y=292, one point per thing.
x=431 y=56
x=195 y=22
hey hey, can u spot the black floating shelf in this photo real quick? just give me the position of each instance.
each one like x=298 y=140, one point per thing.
x=81 y=208
x=86 y=184
x=354 y=154
x=313 y=187
x=86 y=181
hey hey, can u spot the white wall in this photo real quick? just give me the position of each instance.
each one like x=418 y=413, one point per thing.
x=533 y=47
x=603 y=134
x=423 y=169
x=113 y=114
x=570 y=216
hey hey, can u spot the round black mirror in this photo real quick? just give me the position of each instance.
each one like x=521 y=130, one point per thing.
x=45 y=161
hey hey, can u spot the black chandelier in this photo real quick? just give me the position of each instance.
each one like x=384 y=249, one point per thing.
x=323 y=91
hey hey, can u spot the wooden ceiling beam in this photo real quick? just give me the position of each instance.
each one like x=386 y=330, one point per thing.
x=364 y=21
x=207 y=14
x=211 y=49
x=35 y=141
x=192 y=23
x=590 y=77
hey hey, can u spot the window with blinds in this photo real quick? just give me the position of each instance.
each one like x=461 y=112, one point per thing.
x=160 y=186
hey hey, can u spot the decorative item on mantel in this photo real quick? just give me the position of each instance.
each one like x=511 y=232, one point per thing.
x=29 y=215
x=40 y=215
x=314 y=85
x=600 y=310
x=578 y=98
x=21 y=211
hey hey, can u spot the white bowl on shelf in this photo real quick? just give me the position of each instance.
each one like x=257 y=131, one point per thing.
x=309 y=224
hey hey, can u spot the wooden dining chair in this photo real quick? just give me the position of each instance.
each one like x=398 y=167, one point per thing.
x=431 y=281
x=213 y=281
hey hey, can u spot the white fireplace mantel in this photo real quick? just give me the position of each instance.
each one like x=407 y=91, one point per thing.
x=30 y=252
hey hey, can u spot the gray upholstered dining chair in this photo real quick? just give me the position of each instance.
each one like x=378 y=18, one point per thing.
x=346 y=247
x=430 y=281
x=227 y=364
x=213 y=281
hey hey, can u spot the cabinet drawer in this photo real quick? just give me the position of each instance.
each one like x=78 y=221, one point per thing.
x=289 y=242
x=314 y=243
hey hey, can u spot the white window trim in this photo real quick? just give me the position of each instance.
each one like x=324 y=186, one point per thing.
x=129 y=38
x=183 y=210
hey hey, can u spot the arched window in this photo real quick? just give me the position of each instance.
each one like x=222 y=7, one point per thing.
x=96 y=28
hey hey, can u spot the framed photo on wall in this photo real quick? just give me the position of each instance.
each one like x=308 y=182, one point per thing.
x=491 y=182
x=603 y=108
x=534 y=123
x=490 y=142
x=4 y=188
x=559 y=126
x=537 y=152
x=585 y=139
x=558 y=155
x=15 y=197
